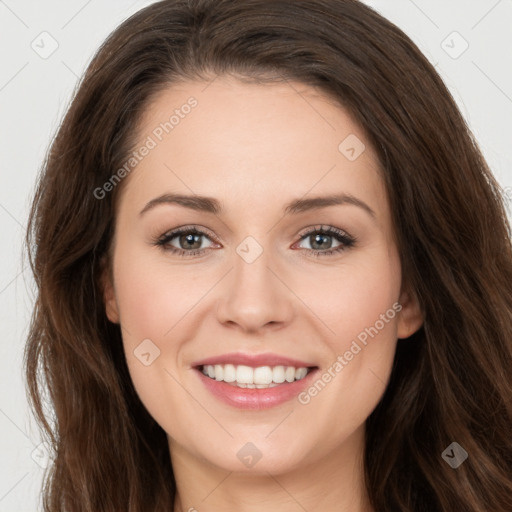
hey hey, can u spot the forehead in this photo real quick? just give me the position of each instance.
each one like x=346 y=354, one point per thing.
x=252 y=141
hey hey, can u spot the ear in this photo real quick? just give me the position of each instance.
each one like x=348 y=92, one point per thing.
x=107 y=288
x=410 y=317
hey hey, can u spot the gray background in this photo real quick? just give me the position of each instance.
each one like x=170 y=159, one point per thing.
x=35 y=89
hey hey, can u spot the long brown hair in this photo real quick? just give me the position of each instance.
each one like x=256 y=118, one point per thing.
x=451 y=380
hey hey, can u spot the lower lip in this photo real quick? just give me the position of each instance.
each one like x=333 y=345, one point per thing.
x=247 y=398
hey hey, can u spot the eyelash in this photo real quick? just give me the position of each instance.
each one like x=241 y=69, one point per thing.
x=346 y=240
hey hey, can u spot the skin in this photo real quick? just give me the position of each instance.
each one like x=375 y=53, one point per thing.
x=255 y=148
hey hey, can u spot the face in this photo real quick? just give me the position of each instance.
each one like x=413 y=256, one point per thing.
x=262 y=282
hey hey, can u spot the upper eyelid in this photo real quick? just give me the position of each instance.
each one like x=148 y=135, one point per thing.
x=186 y=229
x=322 y=227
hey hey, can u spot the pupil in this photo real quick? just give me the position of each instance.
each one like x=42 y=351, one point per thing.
x=190 y=239
x=316 y=239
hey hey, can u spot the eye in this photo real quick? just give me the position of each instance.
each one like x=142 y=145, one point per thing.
x=320 y=240
x=188 y=239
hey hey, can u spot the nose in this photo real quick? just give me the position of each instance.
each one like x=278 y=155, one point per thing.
x=254 y=296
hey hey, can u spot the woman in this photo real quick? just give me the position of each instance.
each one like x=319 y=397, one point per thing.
x=202 y=350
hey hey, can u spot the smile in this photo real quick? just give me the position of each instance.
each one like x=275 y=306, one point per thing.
x=254 y=381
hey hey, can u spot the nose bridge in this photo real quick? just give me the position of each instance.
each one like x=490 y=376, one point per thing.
x=251 y=265
x=253 y=296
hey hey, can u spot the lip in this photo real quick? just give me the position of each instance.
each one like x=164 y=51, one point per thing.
x=256 y=399
x=253 y=360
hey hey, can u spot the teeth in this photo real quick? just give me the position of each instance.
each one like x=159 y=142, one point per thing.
x=259 y=378
x=289 y=374
x=264 y=374
x=278 y=374
x=301 y=373
x=218 y=372
x=229 y=373
x=245 y=375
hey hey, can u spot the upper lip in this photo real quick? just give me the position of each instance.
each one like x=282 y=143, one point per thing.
x=254 y=360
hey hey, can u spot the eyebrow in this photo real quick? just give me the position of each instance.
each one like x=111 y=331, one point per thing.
x=212 y=205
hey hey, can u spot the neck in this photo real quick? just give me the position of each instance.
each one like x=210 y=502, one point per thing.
x=332 y=482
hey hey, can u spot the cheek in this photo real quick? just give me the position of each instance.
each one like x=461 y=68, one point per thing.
x=361 y=311
x=367 y=330
x=151 y=302
x=353 y=296
x=153 y=297
x=156 y=302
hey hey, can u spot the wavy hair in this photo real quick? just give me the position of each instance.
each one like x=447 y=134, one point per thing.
x=451 y=380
